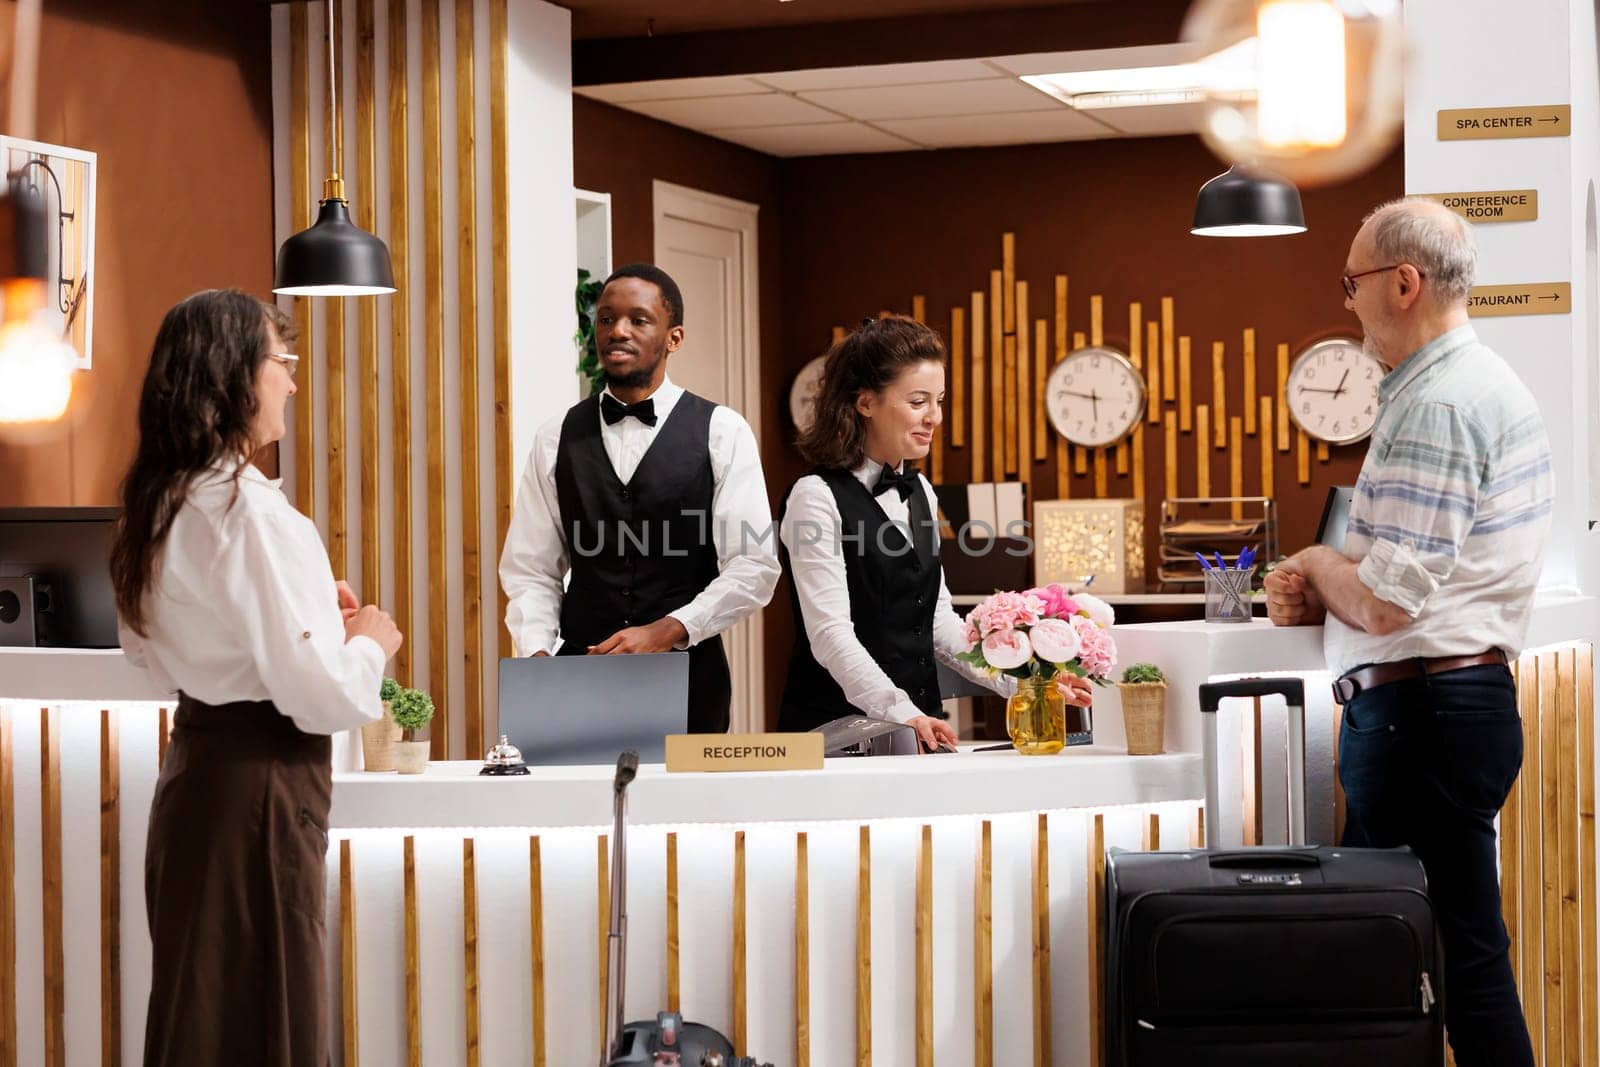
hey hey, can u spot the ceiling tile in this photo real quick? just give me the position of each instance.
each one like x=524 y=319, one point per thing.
x=1028 y=127
x=720 y=112
x=992 y=95
x=1153 y=55
x=1163 y=120
x=816 y=139
x=797 y=81
x=672 y=89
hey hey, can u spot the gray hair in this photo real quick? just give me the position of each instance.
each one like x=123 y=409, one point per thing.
x=1435 y=240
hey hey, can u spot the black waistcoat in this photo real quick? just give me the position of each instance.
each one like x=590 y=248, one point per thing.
x=894 y=588
x=643 y=549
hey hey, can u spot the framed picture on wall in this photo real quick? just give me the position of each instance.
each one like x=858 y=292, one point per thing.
x=64 y=181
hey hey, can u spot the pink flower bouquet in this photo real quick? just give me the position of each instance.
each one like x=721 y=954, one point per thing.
x=1041 y=632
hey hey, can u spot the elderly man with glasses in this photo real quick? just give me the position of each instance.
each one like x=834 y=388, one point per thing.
x=1431 y=597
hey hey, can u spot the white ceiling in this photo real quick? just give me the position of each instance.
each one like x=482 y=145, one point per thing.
x=904 y=106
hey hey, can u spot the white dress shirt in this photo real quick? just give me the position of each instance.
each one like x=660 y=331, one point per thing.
x=242 y=606
x=536 y=559
x=811 y=531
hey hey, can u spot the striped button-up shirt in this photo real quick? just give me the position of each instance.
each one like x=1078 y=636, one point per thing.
x=1452 y=508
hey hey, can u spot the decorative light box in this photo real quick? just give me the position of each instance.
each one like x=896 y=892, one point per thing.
x=1076 y=538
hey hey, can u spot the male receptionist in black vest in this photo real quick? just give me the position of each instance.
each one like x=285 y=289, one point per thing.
x=653 y=497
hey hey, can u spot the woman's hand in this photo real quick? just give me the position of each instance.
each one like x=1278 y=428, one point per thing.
x=1077 y=691
x=372 y=621
x=932 y=732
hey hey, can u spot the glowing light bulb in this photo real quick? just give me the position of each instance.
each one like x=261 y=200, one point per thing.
x=1300 y=96
x=35 y=365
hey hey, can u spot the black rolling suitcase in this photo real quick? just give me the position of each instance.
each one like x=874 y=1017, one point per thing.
x=1303 y=956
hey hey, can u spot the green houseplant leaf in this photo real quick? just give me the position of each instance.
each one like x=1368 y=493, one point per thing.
x=587 y=296
x=1143 y=674
x=412 y=710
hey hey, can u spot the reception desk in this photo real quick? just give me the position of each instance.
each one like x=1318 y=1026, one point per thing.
x=888 y=902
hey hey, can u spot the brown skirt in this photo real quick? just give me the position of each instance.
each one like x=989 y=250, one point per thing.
x=234 y=891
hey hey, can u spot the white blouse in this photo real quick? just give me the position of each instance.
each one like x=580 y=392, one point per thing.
x=810 y=531
x=243 y=606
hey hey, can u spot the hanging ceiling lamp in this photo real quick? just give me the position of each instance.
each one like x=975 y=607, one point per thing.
x=335 y=257
x=1244 y=202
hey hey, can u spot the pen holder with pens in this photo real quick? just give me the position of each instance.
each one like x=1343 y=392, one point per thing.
x=1228 y=594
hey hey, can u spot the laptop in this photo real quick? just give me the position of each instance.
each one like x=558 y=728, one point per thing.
x=565 y=710
x=1335 y=517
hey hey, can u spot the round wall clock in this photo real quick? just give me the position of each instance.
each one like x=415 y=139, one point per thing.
x=1095 y=397
x=803 y=394
x=1332 y=391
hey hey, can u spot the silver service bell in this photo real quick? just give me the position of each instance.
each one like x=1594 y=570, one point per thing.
x=503 y=759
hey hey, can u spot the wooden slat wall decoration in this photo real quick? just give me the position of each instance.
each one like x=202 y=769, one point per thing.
x=924 y=945
x=1150 y=832
x=301 y=195
x=1566 y=691
x=433 y=361
x=1010 y=387
x=1202 y=444
x=1138 y=462
x=1185 y=386
x=1236 y=462
x=997 y=375
x=983 y=948
x=674 y=988
x=1041 y=376
x=1532 y=970
x=1322 y=451
x=500 y=229
x=1153 y=375
x=413 y=956
x=1197 y=833
x=8 y=899
x=1008 y=280
x=1249 y=344
x=1024 y=393
x=1168 y=336
x=1302 y=457
x=1283 y=398
x=958 y=377
x=602 y=885
x=348 y=1000
x=1063 y=478
x=1171 y=439
x=1550 y=842
x=55 y=977
x=467 y=340
x=400 y=333
x=1080 y=455
x=1097 y=951
x=333 y=307
x=1042 y=1052
x=469 y=931
x=802 y=952
x=366 y=307
x=980 y=383
x=864 y=950
x=1266 y=446
x=536 y=948
x=1589 y=904
x=1511 y=849
x=110 y=890
x=1219 y=392
x=740 y=933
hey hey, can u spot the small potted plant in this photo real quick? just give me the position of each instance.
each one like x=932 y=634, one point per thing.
x=412 y=710
x=1144 y=708
x=378 y=738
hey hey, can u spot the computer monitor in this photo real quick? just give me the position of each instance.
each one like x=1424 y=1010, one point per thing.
x=564 y=710
x=1335 y=517
x=67 y=552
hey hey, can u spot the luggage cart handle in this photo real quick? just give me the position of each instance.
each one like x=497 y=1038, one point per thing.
x=1293 y=691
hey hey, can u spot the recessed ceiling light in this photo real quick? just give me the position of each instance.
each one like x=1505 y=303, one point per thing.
x=1231 y=72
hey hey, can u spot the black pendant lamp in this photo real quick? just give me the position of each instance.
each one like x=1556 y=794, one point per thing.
x=1244 y=202
x=335 y=257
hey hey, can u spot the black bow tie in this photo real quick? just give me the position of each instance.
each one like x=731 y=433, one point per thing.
x=615 y=410
x=902 y=482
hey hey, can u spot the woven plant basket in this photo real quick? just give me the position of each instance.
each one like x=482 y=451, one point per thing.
x=378 y=740
x=1144 y=716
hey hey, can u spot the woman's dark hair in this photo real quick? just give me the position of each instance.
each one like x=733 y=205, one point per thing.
x=195 y=411
x=870 y=358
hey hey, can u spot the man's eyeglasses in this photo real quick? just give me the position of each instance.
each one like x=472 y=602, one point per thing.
x=1349 y=280
x=290 y=361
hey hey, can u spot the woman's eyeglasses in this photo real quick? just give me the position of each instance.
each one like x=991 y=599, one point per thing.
x=289 y=360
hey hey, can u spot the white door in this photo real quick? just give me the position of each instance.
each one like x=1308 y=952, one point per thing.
x=708 y=244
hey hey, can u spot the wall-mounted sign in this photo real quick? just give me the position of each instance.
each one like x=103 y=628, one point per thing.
x=1491 y=205
x=1545 y=298
x=1490 y=123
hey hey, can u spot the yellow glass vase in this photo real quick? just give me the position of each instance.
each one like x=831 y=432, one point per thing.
x=1036 y=717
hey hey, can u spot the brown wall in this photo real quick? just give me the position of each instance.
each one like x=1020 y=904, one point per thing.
x=175 y=98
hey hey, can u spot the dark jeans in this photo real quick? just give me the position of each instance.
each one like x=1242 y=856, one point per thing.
x=1428 y=763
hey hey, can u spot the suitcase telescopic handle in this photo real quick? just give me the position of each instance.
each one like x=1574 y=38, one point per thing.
x=1293 y=691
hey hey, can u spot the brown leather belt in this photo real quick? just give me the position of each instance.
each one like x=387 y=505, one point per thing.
x=1346 y=687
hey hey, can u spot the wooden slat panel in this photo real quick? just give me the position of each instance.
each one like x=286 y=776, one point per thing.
x=1302 y=457
x=1589 y=910
x=1550 y=827
x=1249 y=381
x=1531 y=973
x=1202 y=445
x=1042 y=1052
x=1097 y=310
x=333 y=308
x=802 y=953
x=673 y=988
x=1322 y=452
x=1511 y=844
x=983 y=948
x=1283 y=401
x=413 y=957
x=110 y=890
x=55 y=963
x=536 y=947
x=958 y=377
x=499 y=251
x=1152 y=374
x=1138 y=461
x=301 y=195
x=469 y=928
x=1041 y=375
x=1168 y=337
x=1219 y=392
x=8 y=899
x=1185 y=386
x=602 y=884
x=924 y=936
x=1010 y=387
x=1063 y=477
x=1008 y=273
x=1170 y=425
x=997 y=383
x=366 y=308
x=919 y=308
x=980 y=386
x=1080 y=455
x=163 y=738
x=1097 y=949
x=400 y=334
x=740 y=932
x=472 y=665
x=1150 y=831
x=348 y=985
x=1101 y=488
x=1236 y=462
x=1026 y=412
x=1567 y=799
x=1197 y=834
x=1266 y=446
x=864 y=949
x=433 y=361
